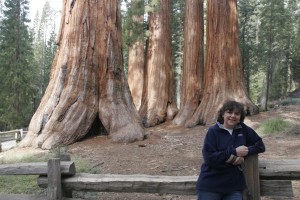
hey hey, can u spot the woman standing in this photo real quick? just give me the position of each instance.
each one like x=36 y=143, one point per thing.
x=226 y=146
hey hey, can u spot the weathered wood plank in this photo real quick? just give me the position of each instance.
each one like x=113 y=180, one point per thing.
x=276 y=188
x=252 y=178
x=280 y=169
x=66 y=167
x=184 y=185
x=26 y=197
x=181 y=185
x=54 y=190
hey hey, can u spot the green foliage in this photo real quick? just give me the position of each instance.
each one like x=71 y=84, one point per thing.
x=19 y=184
x=24 y=68
x=269 y=46
x=256 y=85
x=44 y=46
x=16 y=70
x=82 y=166
x=275 y=125
x=152 y=6
x=290 y=101
x=133 y=27
x=177 y=29
x=248 y=12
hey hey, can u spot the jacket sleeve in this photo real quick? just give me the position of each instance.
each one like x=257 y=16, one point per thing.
x=254 y=142
x=211 y=155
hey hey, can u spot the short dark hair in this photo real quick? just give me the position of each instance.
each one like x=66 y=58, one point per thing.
x=231 y=106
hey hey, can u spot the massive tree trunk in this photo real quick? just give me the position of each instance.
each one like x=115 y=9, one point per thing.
x=87 y=80
x=193 y=61
x=158 y=101
x=223 y=74
x=136 y=60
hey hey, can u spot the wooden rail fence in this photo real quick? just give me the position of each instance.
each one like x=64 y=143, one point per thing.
x=266 y=178
x=16 y=135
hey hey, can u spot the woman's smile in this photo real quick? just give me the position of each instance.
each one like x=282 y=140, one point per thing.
x=231 y=118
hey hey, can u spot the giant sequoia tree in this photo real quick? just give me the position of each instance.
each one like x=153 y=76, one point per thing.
x=87 y=81
x=223 y=73
x=158 y=102
x=193 y=61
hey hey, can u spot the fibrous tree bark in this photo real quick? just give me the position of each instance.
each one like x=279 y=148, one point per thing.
x=193 y=61
x=158 y=102
x=136 y=57
x=87 y=80
x=223 y=73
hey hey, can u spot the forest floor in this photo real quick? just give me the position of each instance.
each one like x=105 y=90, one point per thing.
x=176 y=151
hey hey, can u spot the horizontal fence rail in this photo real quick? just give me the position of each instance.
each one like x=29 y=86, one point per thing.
x=275 y=178
x=13 y=135
x=40 y=168
x=17 y=134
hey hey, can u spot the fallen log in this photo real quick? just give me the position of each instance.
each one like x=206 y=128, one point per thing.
x=139 y=183
x=279 y=169
x=184 y=185
x=40 y=168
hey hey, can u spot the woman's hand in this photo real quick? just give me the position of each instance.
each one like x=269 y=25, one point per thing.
x=241 y=151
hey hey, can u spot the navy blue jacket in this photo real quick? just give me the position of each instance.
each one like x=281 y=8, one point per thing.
x=216 y=175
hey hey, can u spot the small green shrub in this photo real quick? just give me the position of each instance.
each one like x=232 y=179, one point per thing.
x=82 y=166
x=290 y=101
x=274 y=125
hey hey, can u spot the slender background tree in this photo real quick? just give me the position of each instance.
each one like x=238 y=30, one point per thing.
x=177 y=27
x=16 y=71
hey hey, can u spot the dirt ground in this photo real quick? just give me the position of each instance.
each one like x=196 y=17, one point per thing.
x=176 y=151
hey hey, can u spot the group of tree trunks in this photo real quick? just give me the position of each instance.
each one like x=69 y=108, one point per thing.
x=88 y=84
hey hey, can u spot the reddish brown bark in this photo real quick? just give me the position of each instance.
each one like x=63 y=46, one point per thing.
x=136 y=72
x=87 y=80
x=193 y=61
x=158 y=102
x=136 y=60
x=223 y=75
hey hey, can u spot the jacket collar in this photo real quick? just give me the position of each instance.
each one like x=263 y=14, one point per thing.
x=238 y=126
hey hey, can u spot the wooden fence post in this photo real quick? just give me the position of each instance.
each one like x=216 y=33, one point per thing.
x=66 y=192
x=54 y=191
x=21 y=134
x=251 y=171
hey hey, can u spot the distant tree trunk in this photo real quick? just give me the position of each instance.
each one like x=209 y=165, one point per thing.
x=193 y=61
x=223 y=75
x=87 y=80
x=158 y=100
x=136 y=56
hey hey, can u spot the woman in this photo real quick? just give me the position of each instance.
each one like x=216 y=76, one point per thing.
x=226 y=145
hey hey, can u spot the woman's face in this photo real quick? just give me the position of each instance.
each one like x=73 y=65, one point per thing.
x=231 y=118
